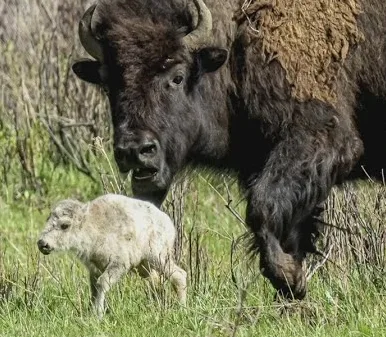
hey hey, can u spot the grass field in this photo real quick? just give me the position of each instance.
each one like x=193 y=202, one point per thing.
x=48 y=123
x=48 y=296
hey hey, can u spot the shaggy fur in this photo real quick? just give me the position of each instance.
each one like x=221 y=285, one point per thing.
x=309 y=38
x=287 y=154
x=112 y=235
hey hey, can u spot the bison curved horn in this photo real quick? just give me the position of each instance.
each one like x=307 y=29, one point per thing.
x=87 y=35
x=201 y=34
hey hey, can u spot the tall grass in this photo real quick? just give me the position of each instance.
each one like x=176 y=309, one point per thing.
x=47 y=116
x=55 y=143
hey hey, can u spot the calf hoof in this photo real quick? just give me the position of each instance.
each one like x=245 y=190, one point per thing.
x=285 y=273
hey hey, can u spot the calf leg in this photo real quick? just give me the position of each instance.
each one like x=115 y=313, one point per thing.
x=105 y=281
x=177 y=276
x=147 y=272
x=94 y=274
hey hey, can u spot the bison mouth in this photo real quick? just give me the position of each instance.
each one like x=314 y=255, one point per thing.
x=144 y=174
x=150 y=184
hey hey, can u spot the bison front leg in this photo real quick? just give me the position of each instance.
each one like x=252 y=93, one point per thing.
x=284 y=204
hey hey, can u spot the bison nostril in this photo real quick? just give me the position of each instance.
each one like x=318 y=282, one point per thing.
x=120 y=153
x=148 y=149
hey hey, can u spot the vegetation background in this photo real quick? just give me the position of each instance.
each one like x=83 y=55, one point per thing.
x=55 y=143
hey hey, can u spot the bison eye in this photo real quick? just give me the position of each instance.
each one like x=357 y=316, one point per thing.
x=64 y=226
x=178 y=79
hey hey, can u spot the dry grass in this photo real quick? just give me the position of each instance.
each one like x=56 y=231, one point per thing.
x=43 y=107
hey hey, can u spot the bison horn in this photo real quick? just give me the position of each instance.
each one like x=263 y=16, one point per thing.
x=87 y=35
x=200 y=35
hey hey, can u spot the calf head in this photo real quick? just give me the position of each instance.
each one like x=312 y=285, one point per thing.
x=61 y=227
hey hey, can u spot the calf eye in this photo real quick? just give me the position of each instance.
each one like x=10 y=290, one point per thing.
x=178 y=79
x=64 y=226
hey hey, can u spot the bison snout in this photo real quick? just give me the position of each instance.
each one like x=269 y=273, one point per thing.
x=44 y=247
x=148 y=150
x=137 y=155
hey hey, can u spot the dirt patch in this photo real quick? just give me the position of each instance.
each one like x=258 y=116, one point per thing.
x=310 y=38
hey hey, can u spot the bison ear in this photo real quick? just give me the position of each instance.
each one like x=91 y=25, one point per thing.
x=211 y=59
x=87 y=70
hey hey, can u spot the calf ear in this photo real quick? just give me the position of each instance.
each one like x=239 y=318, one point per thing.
x=87 y=70
x=211 y=59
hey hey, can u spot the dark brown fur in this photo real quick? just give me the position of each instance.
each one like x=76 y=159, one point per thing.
x=287 y=154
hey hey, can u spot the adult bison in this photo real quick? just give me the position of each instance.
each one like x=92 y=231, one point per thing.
x=189 y=85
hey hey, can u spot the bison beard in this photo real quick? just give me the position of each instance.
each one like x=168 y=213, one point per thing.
x=298 y=147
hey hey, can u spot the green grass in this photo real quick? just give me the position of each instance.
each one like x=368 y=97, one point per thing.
x=48 y=295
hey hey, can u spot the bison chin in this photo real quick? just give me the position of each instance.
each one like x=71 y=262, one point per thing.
x=150 y=186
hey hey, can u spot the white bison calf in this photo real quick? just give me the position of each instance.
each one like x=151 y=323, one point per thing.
x=111 y=235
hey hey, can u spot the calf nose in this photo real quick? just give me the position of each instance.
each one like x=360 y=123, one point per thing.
x=41 y=243
x=44 y=247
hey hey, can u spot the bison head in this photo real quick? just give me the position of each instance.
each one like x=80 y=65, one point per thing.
x=151 y=60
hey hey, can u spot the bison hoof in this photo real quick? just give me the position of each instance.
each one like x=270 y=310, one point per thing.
x=285 y=273
x=288 y=279
x=295 y=292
